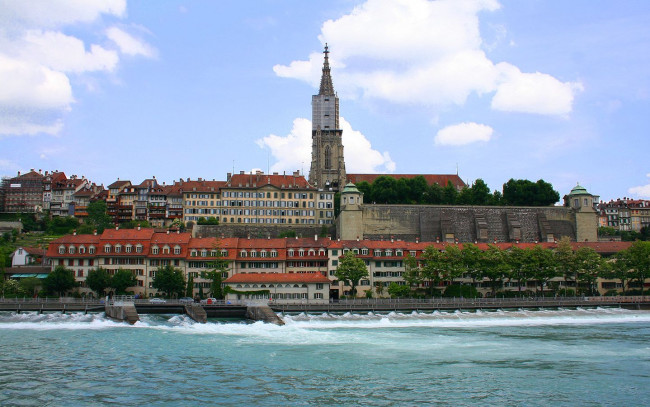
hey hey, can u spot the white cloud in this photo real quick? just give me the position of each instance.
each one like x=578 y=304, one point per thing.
x=54 y=13
x=38 y=61
x=533 y=92
x=293 y=151
x=462 y=134
x=130 y=45
x=642 y=191
x=426 y=52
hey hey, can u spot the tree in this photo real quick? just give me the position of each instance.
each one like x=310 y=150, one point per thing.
x=207 y=221
x=169 y=280
x=97 y=216
x=541 y=265
x=494 y=267
x=189 y=291
x=637 y=260
x=399 y=291
x=121 y=280
x=449 y=194
x=523 y=192
x=62 y=225
x=29 y=285
x=589 y=266
x=566 y=261
x=59 y=281
x=433 y=264
x=480 y=193
x=350 y=270
x=98 y=280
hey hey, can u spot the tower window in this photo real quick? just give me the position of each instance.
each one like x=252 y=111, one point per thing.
x=328 y=158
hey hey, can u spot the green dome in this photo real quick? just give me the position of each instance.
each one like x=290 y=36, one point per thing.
x=579 y=190
x=350 y=188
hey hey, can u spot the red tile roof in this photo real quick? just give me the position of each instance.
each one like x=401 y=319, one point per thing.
x=260 y=180
x=278 y=278
x=440 y=179
x=127 y=234
x=119 y=184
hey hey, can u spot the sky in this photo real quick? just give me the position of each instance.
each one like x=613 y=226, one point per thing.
x=526 y=89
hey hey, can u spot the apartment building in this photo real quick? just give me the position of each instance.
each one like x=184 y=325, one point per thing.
x=201 y=199
x=143 y=251
x=274 y=199
x=624 y=214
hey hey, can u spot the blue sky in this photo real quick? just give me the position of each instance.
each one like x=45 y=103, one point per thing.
x=558 y=90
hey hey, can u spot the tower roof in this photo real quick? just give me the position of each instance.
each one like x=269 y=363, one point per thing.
x=578 y=190
x=326 y=86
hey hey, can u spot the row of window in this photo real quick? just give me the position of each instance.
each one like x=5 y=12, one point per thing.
x=290 y=195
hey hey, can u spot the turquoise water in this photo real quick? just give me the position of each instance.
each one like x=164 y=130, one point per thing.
x=532 y=358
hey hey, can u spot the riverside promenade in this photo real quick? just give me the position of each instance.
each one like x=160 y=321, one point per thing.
x=237 y=309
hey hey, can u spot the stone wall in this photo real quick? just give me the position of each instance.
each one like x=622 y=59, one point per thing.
x=431 y=223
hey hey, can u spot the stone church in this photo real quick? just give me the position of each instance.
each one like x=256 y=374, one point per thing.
x=577 y=219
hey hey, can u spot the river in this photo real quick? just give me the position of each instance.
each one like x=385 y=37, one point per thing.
x=532 y=358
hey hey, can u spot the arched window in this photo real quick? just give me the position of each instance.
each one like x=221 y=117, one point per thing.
x=328 y=158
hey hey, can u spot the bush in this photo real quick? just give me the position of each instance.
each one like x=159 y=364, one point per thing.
x=458 y=290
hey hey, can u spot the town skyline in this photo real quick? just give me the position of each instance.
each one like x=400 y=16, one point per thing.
x=493 y=90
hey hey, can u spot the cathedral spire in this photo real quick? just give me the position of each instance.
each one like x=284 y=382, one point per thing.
x=326 y=86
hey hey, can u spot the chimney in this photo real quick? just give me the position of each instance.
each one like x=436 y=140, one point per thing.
x=392 y=239
x=95 y=232
x=357 y=238
x=138 y=227
x=417 y=240
x=167 y=231
x=316 y=237
x=117 y=228
x=74 y=232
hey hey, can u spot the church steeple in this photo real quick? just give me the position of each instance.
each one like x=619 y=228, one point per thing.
x=326 y=86
x=327 y=169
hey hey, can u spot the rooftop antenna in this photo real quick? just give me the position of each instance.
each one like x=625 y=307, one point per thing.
x=268 y=162
x=456 y=168
x=233 y=167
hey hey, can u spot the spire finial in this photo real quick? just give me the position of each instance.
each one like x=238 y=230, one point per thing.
x=326 y=86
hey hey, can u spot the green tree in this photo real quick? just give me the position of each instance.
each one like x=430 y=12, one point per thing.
x=449 y=194
x=287 y=233
x=589 y=266
x=29 y=285
x=350 y=270
x=494 y=266
x=98 y=280
x=399 y=291
x=207 y=221
x=189 y=291
x=637 y=260
x=527 y=193
x=566 y=261
x=121 y=280
x=59 y=281
x=541 y=265
x=62 y=225
x=480 y=193
x=169 y=280
x=433 y=269
x=97 y=216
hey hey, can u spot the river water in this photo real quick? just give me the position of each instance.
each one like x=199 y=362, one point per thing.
x=512 y=358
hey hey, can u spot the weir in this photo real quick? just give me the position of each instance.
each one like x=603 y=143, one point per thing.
x=122 y=308
x=262 y=312
x=197 y=313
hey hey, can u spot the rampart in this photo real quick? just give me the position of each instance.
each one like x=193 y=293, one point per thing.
x=465 y=223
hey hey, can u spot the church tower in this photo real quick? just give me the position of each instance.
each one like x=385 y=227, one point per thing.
x=327 y=169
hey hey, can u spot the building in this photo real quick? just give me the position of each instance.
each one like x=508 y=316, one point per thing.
x=23 y=193
x=327 y=171
x=274 y=199
x=28 y=256
x=279 y=288
x=624 y=214
x=201 y=199
x=143 y=251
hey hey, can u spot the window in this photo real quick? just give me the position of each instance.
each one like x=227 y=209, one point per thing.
x=82 y=250
x=242 y=253
x=91 y=250
x=154 y=250
x=319 y=286
x=71 y=250
x=328 y=158
x=61 y=249
x=107 y=248
x=335 y=262
x=138 y=248
x=177 y=250
x=128 y=248
x=118 y=248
